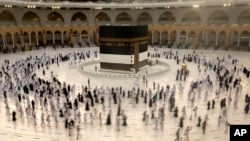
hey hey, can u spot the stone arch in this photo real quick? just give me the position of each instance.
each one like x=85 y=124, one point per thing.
x=54 y=18
x=33 y=38
x=191 y=17
x=85 y=38
x=191 y=38
x=40 y=39
x=8 y=41
x=222 y=37
x=49 y=38
x=30 y=18
x=244 y=17
x=84 y=32
x=58 y=37
x=1 y=43
x=211 y=39
x=234 y=38
x=7 y=18
x=218 y=17
x=164 y=38
x=244 y=39
x=173 y=37
x=79 y=18
x=102 y=19
x=26 y=38
x=17 y=40
x=183 y=33
x=144 y=18
x=166 y=18
x=156 y=37
x=123 y=18
x=66 y=38
x=76 y=38
x=182 y=39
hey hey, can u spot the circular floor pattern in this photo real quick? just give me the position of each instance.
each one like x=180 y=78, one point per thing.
x=88 y=68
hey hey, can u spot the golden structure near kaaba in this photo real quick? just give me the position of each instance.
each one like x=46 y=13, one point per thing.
x=184 y=66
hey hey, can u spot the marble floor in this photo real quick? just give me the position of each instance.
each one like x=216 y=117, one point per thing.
x=25 y=130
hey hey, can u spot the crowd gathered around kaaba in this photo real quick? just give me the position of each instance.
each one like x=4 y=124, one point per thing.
x=54 y=99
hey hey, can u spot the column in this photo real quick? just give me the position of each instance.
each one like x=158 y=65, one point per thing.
x=70 y=39
x=62 y=39
x=37 y=42
x=160 y=38
x=152 y=38
x=238 y=43
x=13 y=42
x=30 y=40
x=227 y=40
x=206 y=39
x=187 y=39
x=44 y=39
x=216 y=40
x=177 y=37
x=80 y=38
x=249 y=42
x=169 y=38
x=22 y=41
x=195 y=40
x=53 y=38
x=4 y=45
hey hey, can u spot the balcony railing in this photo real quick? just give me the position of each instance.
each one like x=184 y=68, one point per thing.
x=113 y=4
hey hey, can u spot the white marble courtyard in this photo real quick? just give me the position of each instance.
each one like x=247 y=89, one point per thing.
x=25 y=130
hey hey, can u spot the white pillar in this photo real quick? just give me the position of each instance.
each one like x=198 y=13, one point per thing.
x=80 y=37
x=30 y=40
x=206 y=38
x=177 y=38
x=4 y=45
x=216 y=40
x=249 y=42
x=238 y=44
x=152 y=38
x=187 y=39
x=62 y=39
x=160 y=38
x=13 y=42
x=37 y=43
x=53 y=38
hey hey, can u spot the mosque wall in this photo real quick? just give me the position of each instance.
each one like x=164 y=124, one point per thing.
x=216 y=27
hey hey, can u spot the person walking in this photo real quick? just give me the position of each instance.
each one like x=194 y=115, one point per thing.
x=186 y=133
x=204 y=124
x=177 y=135
x=78 y=130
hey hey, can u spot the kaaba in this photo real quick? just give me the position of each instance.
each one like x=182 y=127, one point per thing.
x=123 y=48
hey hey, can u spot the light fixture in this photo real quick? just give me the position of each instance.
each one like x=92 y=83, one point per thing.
x=31 y=6
x=8 y=6
x=55 y=7
x=196 y=6
x=139 y=8
x=167 y=7
x=227 y=4
x=98 y=8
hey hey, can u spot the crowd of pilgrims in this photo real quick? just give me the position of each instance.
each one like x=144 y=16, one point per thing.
x=57 y=99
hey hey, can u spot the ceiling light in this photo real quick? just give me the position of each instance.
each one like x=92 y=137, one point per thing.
x=196 y=6
x=7 y=6
x=226 y=4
